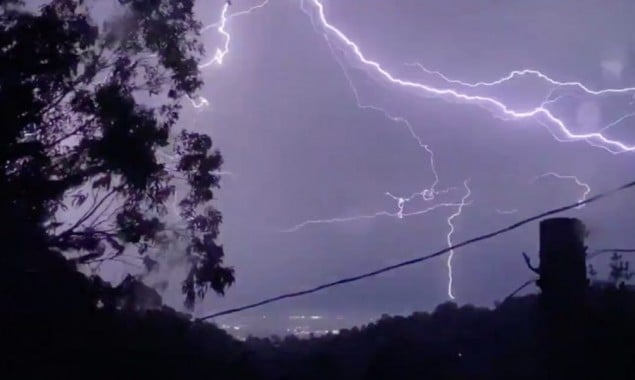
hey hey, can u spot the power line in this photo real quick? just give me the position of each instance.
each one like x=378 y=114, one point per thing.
x=518 y=289
x=418 y=259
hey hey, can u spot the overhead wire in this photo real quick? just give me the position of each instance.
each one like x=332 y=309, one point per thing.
x=518 y=289
x=418 y=259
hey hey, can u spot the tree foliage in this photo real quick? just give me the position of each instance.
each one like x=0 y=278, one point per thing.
x=620 y=271
x=87 y=111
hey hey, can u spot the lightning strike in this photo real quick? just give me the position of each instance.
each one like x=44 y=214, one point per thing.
x=557 y=126
x=458 y=212
x=396 y=214
x=585 y=186
x=220 y=25
x=306 y=223
x=548 y=100
x=525 y=72
x=617 y=121
x=199 y=102
x=427 y=194
x=234 y=15
x=219 y=55
x=400 y=204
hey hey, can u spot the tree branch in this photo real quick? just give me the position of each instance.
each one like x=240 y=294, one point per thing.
x=87 y=215
x=531 y=267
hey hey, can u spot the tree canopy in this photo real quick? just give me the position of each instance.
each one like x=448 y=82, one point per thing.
x=89 y=114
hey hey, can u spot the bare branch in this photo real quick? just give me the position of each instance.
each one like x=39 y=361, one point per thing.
x=529 y=265
x=87 y=215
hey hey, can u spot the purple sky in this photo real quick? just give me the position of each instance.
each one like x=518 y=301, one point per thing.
x=283 y=115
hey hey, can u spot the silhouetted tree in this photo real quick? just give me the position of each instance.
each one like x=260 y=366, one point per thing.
x=620 y=271
x=592 y=273
x=86 y=111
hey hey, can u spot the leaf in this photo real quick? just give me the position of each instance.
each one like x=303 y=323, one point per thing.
x=78 y=199
x=103 y=182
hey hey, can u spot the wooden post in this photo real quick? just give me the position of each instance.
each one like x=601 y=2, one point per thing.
x=563 y=280
x=563 y=287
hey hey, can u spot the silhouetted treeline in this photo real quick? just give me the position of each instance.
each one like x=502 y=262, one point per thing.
x=509 y=342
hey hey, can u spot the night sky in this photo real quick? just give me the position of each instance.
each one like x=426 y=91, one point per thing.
x=284 y=113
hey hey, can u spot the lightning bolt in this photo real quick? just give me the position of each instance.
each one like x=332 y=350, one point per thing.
x=458 y=212
x=585 y=186
x=395 y=214
x=247 y=11
x=456 y=92
x=556 y=126
x=220 y=53
x=530 y=72
x=199 y=102
x=525 y=72
x=617 y=121
x=426 y=194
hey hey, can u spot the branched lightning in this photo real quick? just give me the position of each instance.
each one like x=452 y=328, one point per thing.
x=456 y=91
x=220 y=53
x=220 y=25
x=309 y=222
x=234 y=15
x=557 y=126
x=617 y=121
x=525 y=72
x=427 y=194
x=585 y=186
x=450 y=220
x=548 y=100
x=394 y=214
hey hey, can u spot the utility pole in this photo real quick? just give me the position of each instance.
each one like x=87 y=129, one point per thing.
x=563 y=282
x=563 y=285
